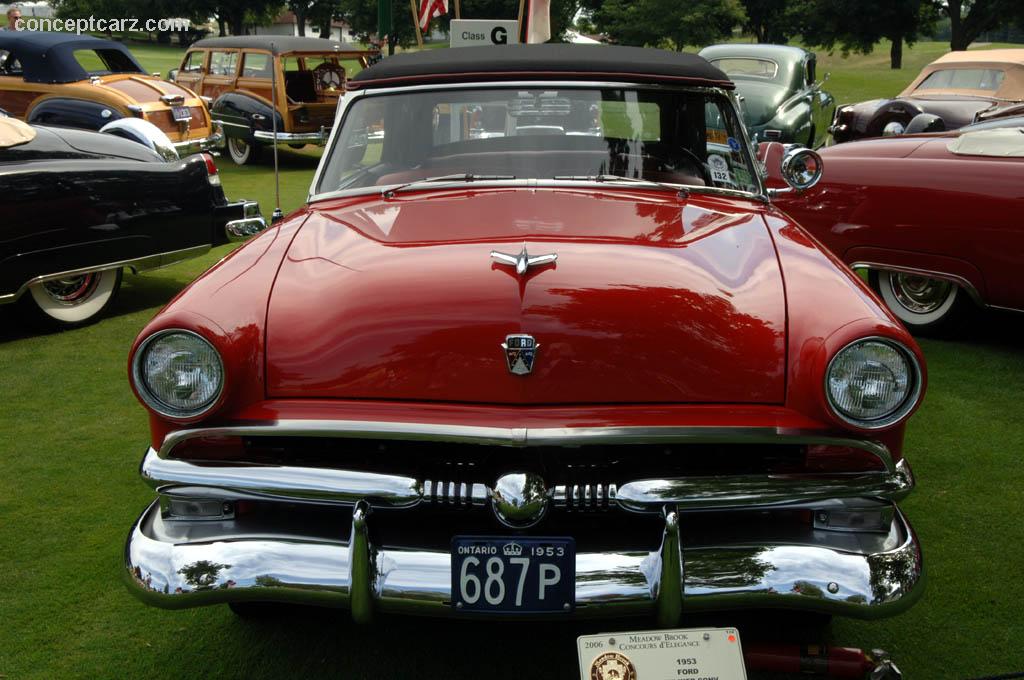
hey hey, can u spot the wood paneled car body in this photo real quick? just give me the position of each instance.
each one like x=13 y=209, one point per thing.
x=578 y=365
x=934 y=218
x=79 y=207
x=236 y=76
x=83 y=82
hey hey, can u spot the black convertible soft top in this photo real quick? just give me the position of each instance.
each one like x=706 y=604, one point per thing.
x=50 y=57
x=569 y=62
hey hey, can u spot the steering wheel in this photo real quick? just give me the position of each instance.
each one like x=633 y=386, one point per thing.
x=691 y=163
x=328 y=76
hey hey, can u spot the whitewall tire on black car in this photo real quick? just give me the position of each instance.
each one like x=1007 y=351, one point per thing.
x=243 y=152
x=923 y=304
x=74 y=300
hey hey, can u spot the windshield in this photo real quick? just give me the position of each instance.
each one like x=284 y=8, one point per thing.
x=682 y=137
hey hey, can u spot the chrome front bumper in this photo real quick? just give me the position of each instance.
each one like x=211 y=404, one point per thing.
x=250 y=224
x=187 y=147
x=170 y=564
x=318 y=137
x=674 y=563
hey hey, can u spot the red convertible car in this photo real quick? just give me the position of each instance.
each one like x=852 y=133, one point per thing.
x=577 y=365
x=934 y=219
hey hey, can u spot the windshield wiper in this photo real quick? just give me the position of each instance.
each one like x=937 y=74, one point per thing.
x=461 y=176
x=620 y=178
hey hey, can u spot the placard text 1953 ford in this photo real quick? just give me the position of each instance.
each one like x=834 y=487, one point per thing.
x=535 y=346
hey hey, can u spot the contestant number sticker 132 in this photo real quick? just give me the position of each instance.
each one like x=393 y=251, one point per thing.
x=692 y=654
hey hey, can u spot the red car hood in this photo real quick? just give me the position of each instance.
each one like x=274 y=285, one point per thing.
x=652 y=299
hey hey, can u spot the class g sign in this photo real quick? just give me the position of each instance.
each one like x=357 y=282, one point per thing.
x=470 y=32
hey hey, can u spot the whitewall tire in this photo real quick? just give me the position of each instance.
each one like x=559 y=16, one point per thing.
x=923 y=304
x=74 y=300
x=243 y=152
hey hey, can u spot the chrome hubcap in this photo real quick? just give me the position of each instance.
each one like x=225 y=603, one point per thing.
x=238 y=146
x=72 y=289
x=919 y=294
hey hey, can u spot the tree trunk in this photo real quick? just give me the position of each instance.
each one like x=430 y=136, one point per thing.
x=221 y=29
x=391 y=47
x=896 y=52
x=238 y=24
x=957 y=40
x=300 y=22
x=325 y=29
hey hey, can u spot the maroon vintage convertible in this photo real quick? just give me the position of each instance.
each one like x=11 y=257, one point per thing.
x=934 y=219
x=539 y=344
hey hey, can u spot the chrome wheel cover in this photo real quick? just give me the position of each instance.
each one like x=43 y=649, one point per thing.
x=71 y=290
x=919 y=294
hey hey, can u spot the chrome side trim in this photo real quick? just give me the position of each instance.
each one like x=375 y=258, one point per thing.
x=162 y=567
x=137 y=265
x=520 y=437
x=958 y=280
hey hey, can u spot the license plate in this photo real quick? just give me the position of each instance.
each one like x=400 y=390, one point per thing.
x=688 y=653
x=181 y=113
x=513 y=575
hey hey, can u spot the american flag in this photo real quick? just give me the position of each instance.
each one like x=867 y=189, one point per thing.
x=430 y=9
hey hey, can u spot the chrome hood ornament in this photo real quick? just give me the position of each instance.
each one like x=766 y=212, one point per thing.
x=523 y=260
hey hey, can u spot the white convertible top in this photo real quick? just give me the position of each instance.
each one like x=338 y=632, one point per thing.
x=13 y=132
x=1000 y=142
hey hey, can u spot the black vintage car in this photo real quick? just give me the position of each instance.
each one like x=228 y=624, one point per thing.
x=79 y=207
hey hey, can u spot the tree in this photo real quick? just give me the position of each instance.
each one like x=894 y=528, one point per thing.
x=858 y=26
x=361 y=16
x=668 y=23
x=770 y=21
x=970 y=18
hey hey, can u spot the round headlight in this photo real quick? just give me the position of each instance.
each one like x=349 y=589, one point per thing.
x=873 y=383
x=178 y=373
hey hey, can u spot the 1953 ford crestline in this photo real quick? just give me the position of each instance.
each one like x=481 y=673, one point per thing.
x=538 y=344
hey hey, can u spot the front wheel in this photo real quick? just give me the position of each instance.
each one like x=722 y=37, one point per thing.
x=73 y=301
x=243 y=152
x=925 y=305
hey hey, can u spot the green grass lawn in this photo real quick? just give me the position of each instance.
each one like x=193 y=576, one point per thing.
x=72 y=435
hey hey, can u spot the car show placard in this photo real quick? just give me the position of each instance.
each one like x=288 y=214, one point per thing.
x=472 y=32
x=695 y=654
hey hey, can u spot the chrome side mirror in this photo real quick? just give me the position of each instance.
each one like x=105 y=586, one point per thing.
x=801 y=168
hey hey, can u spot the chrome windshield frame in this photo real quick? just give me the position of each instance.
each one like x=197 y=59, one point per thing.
x=346 y=102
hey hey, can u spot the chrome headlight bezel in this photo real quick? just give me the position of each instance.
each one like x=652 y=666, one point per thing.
x=900 y=412
x=154 y=402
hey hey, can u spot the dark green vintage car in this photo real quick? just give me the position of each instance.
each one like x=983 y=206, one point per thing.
x=781 y=98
